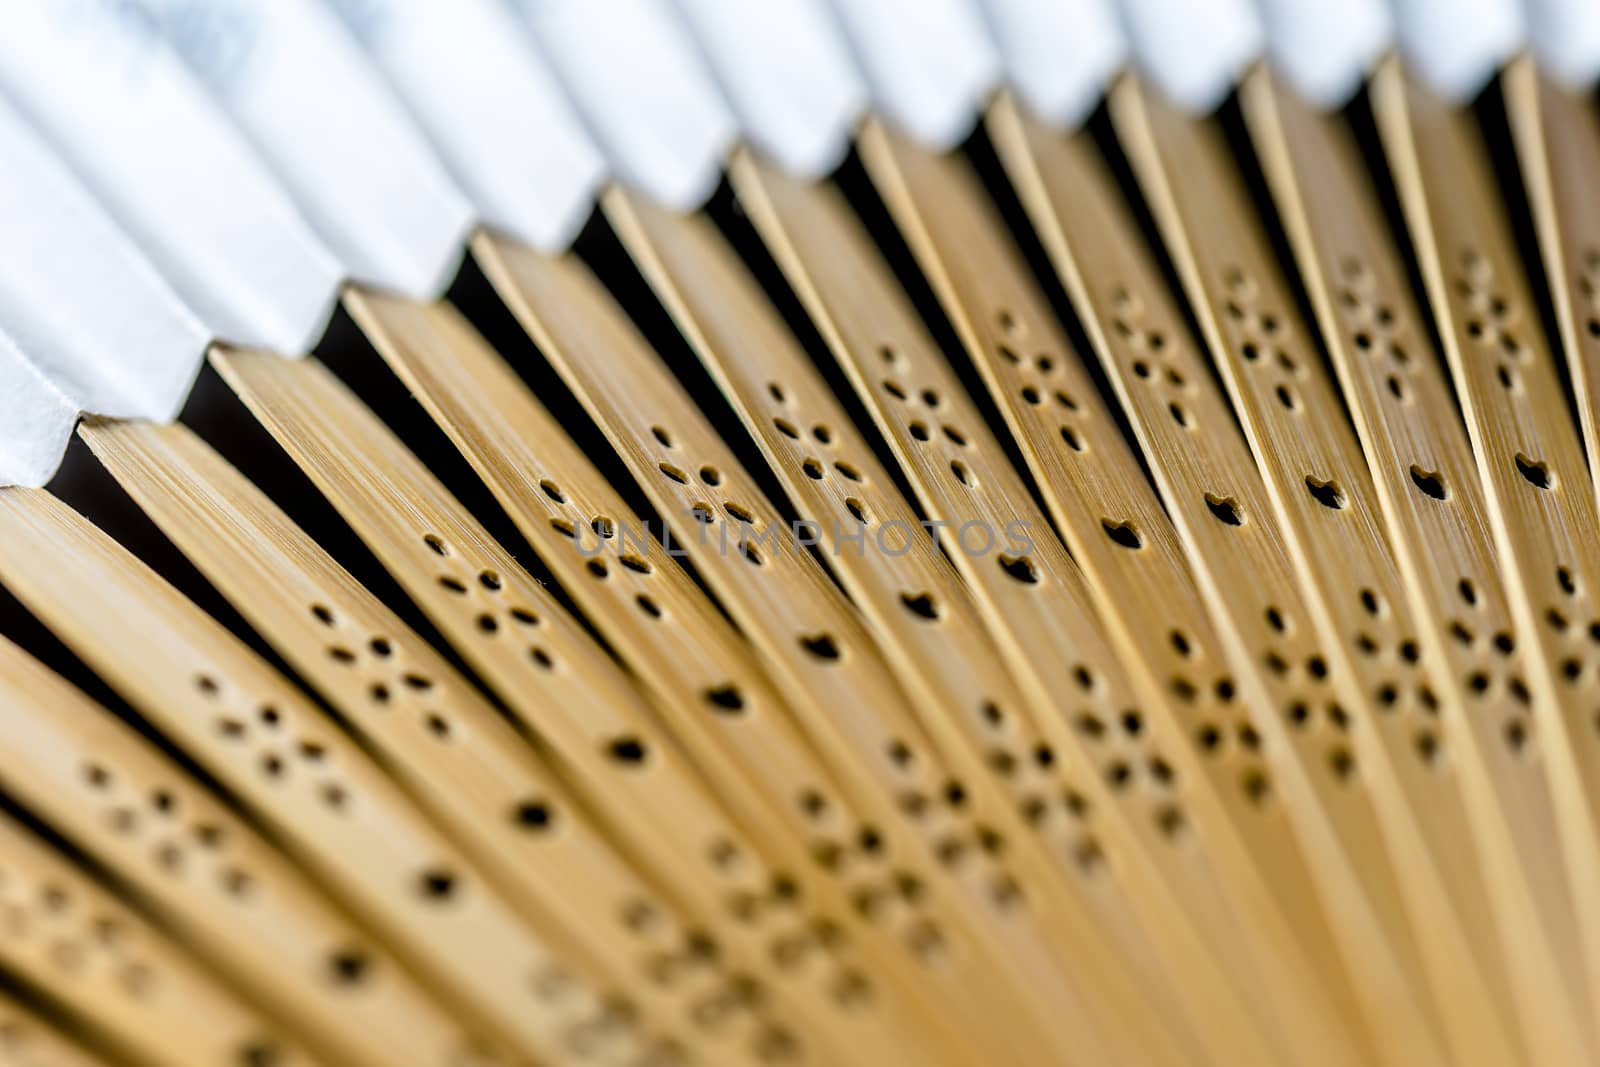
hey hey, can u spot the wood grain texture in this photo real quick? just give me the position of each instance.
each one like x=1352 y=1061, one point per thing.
x=26 y=1040
x=208 y=877
x=627 y=762
x=1541 y=508
x=512 y=441
x=461 y=761
x=330 y=805
x=1557 y=136
x=73 y=940
x=1327 y=510
x=1226 y=800
x=783 y=596
x=1219 y=505
x=1170 y=627
x=746 y=344
x=1422 y=469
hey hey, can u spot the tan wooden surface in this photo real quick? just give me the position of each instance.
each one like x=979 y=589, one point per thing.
x=315 y=790
x=73 y=940
x=749 y=348
x=1143 y=755
x=461 y=760
x=26 y=1040
x=210 y=878
x=512 y=440
x=627 y=389
x=1327 y=509
x=1557 y=136
x=1219 y=503
x=1422 y=470
x=1541 y=506
x=644 y=774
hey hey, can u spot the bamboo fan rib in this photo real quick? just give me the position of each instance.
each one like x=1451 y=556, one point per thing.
x=1529 y=458
x=540 y=446
x=542 y=288
x=30 y=1041
x=202 y=872
x=1084 y=711
x=1420 y=462
x=84 y=948
x=286 y=760
x=750 y=352
x=459 y=758
x=616 y=743
x=1184 y=655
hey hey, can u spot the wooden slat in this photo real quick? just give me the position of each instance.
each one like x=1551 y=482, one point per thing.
x=73 y=941
x=565 y=690
x=1422 y=470
x=26 y=1040
x=210 y=878
x=1540 y=504
x=1207 y=479
x=462 y=762
x=1557 y=134
x=515 y=444
x=333 y=808
x=748 y=348
x=1079 y=694
x=1332 y=525
x=630 y=392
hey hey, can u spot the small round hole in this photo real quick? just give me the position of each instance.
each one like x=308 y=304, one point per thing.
x=1430 y=483
x=1125 y=534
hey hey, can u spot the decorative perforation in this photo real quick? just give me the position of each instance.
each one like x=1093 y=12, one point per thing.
x=280 y=751
x=1291 y=659
x=217 y=882
x=730 y=711
x=1024 y=760
x=1567 y=613
x=802 y=946
x=596 y=1031
x=969 y=834
x=1530 y=462
x=1493 y=325
x=817 y=449
x=685 y=964
x=1214 y=491
x=1385 y=652
x=291 y=754
x=1197 y=680
x=754 y=897
x=922 y=411
x=621 y=561
x=194 y=851
x=738 y=529
x=498 y=613
x=456 y=755
x=390 y=683
x=1485 y=655
x=614 y=739
x=1383 y=341
x=76 y=941
x=46 y=924
x=858 y=855
x=483 y=601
